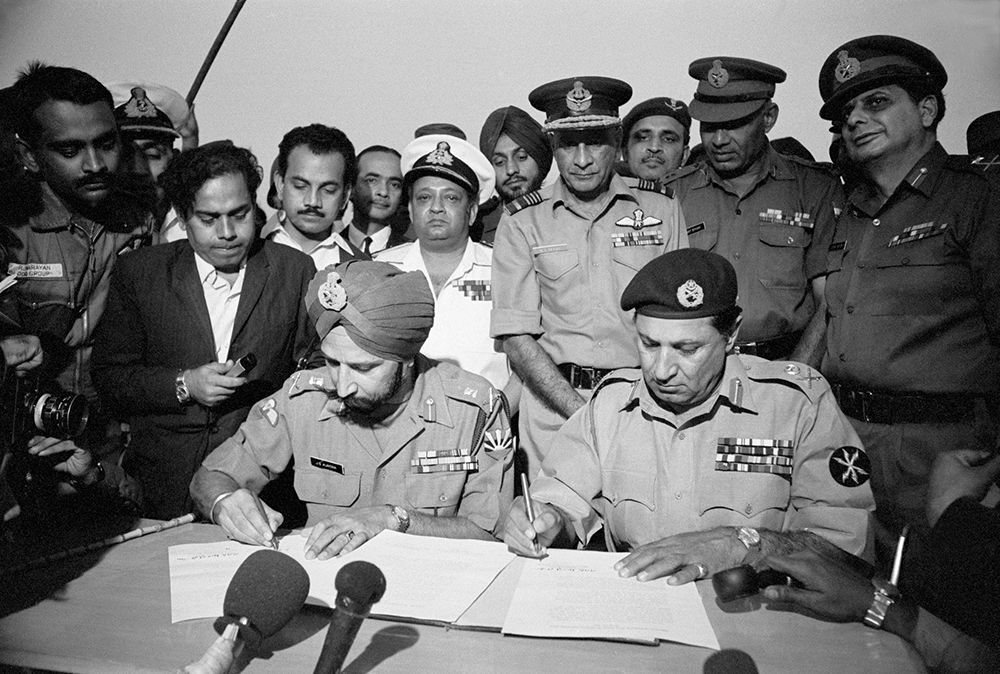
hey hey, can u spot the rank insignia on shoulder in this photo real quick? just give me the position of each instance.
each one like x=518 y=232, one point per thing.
x=522 y=202
x=268 y=411
x=917 y=232
x=654 y=186
x=638 y=220
x=850 y=466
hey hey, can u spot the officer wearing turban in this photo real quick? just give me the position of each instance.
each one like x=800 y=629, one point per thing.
x=913 y=274
x=701 y=459
x=380 y=438
x=563 y=255
x=519 y=151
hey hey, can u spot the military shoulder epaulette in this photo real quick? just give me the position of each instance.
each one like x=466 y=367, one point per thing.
x=654 y=186
x=522 y=202
x=681 y=172
x=824 y=166
x=305 y=381
x=627 y=376
x=789 y=373
x=469 y=388
x=963 y=164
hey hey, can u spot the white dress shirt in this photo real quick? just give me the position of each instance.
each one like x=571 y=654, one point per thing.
x=222 y=300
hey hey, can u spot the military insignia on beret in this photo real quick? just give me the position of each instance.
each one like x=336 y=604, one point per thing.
x=850 y=466
x=847 y=66
x=332 y=294
x=638 y=220
x=441 y=155
x=718 y=76
x=690 y=295
x=673 y=104
x=578 y=99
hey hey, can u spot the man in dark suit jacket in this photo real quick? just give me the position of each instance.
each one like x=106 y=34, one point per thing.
x=180 y=314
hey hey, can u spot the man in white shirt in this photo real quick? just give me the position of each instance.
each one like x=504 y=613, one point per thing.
x=313 y=178
x=180 y=314
x=448 y=178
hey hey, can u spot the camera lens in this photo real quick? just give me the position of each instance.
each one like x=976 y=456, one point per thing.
x=61 y=415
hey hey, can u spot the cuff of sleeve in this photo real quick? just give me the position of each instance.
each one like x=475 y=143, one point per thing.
x=510 y=322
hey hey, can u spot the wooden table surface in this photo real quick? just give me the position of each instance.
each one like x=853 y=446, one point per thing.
x=109 y=611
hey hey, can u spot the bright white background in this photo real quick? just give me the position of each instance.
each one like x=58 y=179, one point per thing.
x=380 y=68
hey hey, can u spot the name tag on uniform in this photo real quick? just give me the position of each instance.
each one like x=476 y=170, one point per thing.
x=443 y=461
x=477 y=291
x=838 y=245
x=625 y=239
x=794 y=219
x=694 y=229
x=36 y=270
x=917 y=232
x=755 y=455
x=323 y=464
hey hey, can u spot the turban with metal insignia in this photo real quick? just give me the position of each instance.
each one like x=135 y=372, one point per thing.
x=385 y=311
x=522 y=129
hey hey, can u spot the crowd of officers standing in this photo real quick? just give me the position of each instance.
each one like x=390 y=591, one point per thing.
x=705 y=356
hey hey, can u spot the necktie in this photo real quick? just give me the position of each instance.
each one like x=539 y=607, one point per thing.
x=366 y=247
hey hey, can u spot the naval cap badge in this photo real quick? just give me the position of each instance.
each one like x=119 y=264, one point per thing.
x=441 y=154
x=718 y=76
x=690 y=294
x=332 y=294
x=847 y=66
x=578 y=99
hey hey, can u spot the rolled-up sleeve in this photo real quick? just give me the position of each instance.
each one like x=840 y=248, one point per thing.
x=516 y=295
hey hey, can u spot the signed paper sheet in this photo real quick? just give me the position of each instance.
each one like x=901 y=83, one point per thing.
x=578 y=594
x=431 y=579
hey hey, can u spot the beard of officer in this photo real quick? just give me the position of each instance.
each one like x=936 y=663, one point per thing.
x=371 y=388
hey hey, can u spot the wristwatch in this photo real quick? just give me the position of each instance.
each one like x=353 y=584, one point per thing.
x=402 y=517
x=749 y=537
x=884 y=597
x=183 y=394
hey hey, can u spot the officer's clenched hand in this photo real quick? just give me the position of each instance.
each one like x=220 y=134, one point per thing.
x=684 y=557
x=209 y=384
x=832 y=590
x=520 y=535
x=242 y=516
x=955 y=474
x=346 y=531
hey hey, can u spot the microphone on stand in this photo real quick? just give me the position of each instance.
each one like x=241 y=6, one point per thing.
x=265 y=593
x=359 y=585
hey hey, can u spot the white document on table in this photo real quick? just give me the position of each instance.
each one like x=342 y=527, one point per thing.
x=427 y=578
x=578 y=594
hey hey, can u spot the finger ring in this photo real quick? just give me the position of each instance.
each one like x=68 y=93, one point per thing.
x=702 y=570
x=350 y=535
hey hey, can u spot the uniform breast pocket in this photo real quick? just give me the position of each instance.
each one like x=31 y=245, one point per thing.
x=435 y=493
x=559 y=277
x=915 y=278
x=751 y=495
x=630 y=492
x=325 y=486
x=784 y=250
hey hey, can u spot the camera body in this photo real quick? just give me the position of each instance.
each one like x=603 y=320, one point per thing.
x=27 y=409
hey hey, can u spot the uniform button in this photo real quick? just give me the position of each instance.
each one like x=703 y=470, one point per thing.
x=680 y=436
x=906 y=260
x=861 y=265
x=843 y=358
x=791 y=240
x=677 y=496
x=748 y=509
x=443 y=497
x=739 y=211
x=876 y=222
x=850 y=308
x=736 y=255
x=381 y=474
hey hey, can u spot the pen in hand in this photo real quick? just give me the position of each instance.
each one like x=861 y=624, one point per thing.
x=273 y=543
x=529 y=510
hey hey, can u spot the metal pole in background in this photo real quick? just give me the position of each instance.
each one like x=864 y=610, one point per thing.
x=210 y=57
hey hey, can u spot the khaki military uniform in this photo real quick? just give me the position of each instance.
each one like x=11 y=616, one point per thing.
x=776 y=238
x=770 y=449
x=913 y=337
x=448 y=453
x=559 y=272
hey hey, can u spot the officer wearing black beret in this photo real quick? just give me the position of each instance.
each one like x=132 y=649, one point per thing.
x=769 y=214
x=567 y=252
x=913 y=273
x=694 y=460
x=655 y=135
